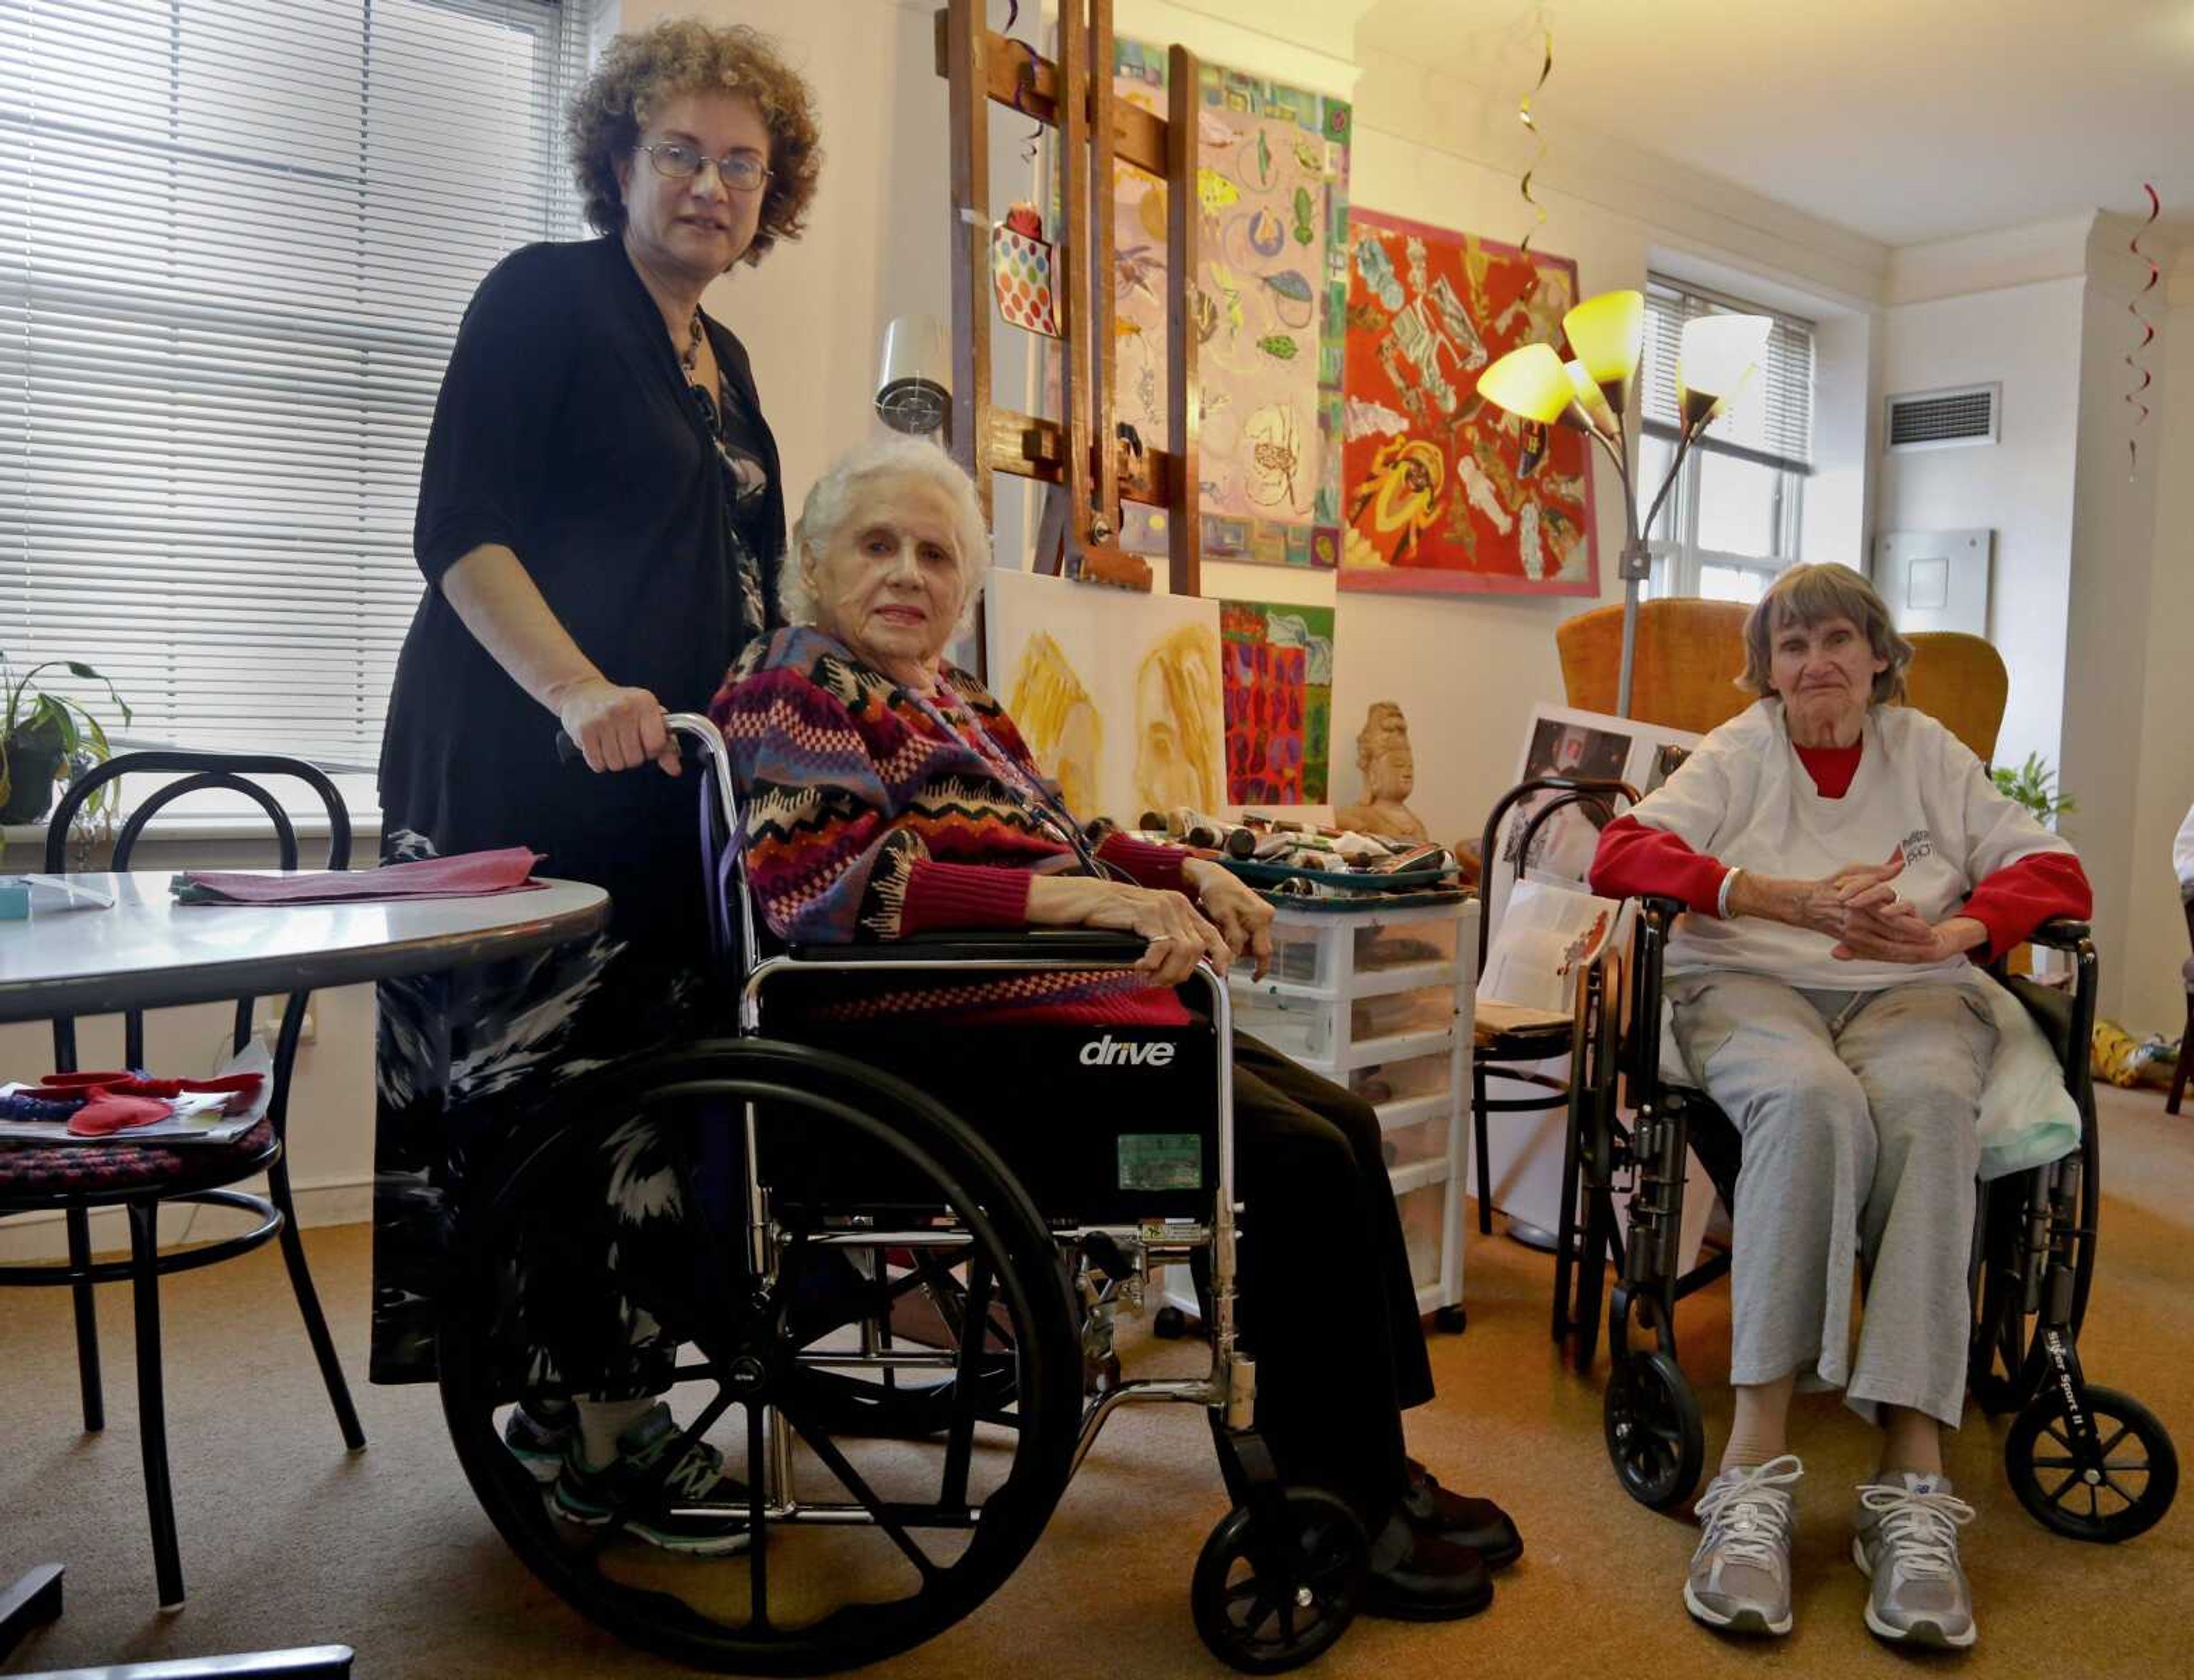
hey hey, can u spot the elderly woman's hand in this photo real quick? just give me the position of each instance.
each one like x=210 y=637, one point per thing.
x=1244 y=920
x=1821 y=905
x=1178 y=937
x=1896 y=932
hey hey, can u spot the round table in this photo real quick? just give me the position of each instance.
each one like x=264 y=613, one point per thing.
x=149 y=952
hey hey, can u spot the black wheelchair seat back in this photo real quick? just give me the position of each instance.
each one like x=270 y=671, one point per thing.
x=1103 y=1125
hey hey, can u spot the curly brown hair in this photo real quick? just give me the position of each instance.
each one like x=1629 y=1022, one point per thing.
x=639 y=73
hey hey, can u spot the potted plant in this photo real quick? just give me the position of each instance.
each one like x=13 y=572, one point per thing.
x=2029 y=786
x=46 y=738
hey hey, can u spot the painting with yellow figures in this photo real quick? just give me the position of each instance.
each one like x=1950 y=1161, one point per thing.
x=1117 y=694
x=1271 y=305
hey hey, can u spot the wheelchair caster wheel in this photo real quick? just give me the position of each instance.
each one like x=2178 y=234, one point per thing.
x=2123 y=1491
x=1278 y=1584
x=1169 y=1324
x=1452 y=1320
x=1656 y=1438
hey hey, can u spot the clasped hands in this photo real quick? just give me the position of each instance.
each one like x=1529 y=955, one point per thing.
x=1860 y=910
x=1225 y=917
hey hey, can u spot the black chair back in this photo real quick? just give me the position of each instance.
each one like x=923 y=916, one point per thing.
x=203 y=772
x=1599 y=792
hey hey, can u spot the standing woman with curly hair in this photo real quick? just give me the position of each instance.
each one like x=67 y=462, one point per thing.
x=600 y=523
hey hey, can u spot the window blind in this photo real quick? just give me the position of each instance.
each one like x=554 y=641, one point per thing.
x=1773 y=423
x=236 y=239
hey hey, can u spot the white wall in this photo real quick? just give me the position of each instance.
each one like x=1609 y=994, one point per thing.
x=2027 y=337
x=2155 y=945
x=2107 y=632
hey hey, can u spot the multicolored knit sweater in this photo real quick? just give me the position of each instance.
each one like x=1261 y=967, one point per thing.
x=870 y=812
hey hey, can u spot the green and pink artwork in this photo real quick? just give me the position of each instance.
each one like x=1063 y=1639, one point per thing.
x=1276 y=671
x=1271 y=300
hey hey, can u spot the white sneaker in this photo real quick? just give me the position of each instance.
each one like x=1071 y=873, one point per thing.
x=1907 y=1544
x=1740 y=1575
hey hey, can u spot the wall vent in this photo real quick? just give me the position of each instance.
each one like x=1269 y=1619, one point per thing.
x=1934 y=420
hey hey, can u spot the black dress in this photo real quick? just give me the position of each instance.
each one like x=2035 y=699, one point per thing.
x=653 y=523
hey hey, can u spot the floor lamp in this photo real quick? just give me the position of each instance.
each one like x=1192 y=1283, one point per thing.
x=1591 y=393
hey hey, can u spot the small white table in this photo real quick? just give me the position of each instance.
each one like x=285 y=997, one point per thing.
x=149 y=952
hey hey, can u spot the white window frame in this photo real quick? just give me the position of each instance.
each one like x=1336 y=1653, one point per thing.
x=1678 y=558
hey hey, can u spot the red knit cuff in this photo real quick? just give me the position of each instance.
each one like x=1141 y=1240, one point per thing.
x=963 y=895
x=1151 y=865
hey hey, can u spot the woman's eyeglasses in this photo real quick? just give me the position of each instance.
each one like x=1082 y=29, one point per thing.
x=741 y=171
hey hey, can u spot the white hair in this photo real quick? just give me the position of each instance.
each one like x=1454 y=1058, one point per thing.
x=836 y=499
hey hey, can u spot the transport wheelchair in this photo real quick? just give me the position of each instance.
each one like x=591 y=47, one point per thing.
x=2086 y=1461
x=893 y=1295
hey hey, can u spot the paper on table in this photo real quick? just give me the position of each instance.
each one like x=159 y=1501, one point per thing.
x=59 y=892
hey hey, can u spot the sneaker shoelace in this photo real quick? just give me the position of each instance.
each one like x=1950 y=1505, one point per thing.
x=1747 y=1517
x=1920 y=1529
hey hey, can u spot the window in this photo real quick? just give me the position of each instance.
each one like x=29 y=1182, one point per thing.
x=1731 y=522
x=236 y=239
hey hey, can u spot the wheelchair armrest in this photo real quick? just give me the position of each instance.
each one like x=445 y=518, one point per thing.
x=2063 y=934
x=1066 y=947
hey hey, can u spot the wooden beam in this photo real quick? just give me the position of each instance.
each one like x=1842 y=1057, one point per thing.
x=1138 y=137
x=1104 y=343
x=967 y=49
x=1033 y=448
x=1184 y=405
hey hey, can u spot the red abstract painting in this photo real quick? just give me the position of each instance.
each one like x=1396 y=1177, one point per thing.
x=1439 y=493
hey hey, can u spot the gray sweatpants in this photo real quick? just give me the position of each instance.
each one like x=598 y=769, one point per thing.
x=1856 y=1110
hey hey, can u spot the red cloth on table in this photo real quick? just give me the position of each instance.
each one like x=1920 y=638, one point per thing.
x=466 y=875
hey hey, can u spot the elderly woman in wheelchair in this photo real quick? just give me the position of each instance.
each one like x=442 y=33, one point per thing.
x=1847 y=864
x=885 y=795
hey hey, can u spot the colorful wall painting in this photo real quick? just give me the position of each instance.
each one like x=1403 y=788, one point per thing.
x=1277 y=664
x=1117 y=694
x=1438 y=495
x=1272 y=282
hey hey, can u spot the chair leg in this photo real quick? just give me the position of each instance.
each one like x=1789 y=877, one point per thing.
x=152 y=1400
x=1485 y=1157
x=1565 y=1232
x=86 y=1322
x=2185 y=1064
x=309 y=1304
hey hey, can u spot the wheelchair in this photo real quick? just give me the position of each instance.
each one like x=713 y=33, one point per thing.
x=2086 y=1461
x=902 y=1307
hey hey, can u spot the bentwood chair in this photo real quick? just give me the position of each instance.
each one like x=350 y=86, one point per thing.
x=78 y=1178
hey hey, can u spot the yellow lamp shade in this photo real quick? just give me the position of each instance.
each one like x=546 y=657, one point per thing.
x=1718 y=351
x=1608 y=334
x=1529 y=382
x=1592 y=399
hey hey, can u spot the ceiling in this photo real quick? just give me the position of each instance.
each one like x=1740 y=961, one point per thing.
x=1901 y=120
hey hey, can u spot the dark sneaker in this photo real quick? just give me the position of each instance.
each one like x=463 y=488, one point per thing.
x=1461 y=1520
x=1907 y=1544
x=688 y=1505
x=1740 y=1575
x=537 y=1432
x=1417 y=1576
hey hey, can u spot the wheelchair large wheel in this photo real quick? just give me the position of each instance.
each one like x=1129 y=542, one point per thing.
x=1278 y=1580
x=2122 y=1490
x=858 y=1545
x=1656 y=1438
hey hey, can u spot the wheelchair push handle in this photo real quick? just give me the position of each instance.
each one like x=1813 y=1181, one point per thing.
x=695 y=734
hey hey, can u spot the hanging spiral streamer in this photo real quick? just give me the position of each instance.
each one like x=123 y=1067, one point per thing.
x=1025 y=82
x=1539 y=157
x=2147 y=331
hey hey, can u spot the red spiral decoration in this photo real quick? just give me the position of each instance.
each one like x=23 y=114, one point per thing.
x=2137 y=395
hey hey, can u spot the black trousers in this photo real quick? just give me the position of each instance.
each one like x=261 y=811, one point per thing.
x=1326 y=1304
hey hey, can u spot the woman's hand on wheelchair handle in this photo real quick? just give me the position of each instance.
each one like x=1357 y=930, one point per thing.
x=617 y=728
x=1243 y=920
